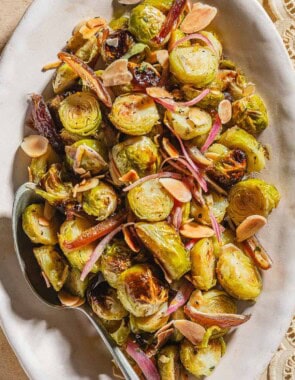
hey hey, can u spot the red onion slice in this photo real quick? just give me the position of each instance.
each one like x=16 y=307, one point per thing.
x=215 y=225
x=182 y=296
x=153 y=176
x=146 y=365
x=194 y=36
x=195 y=100
x=213 y=133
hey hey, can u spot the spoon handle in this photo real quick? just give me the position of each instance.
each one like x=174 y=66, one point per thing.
x=114 y=350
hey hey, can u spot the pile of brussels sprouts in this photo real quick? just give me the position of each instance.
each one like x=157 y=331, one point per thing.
x=145 y=161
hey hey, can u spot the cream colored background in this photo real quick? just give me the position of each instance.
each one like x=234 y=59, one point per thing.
x=282 y=12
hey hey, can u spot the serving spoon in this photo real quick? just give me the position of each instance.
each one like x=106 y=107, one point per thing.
x=25 y=196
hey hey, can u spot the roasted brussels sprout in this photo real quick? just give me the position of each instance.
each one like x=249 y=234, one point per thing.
x=250 y=114
x=237 y=274
x=52 y=264
x=74 y=285
x=69 y=231
x=101 y=201
x=197 y=65
x=215 y=202
x=177 y=315
x=150 y=201
x=189 y=122
x=121 y=333
x=88 y=155
x=168 y=363
x=104 y=301
x=116 y=45
x=140 y=291
x=228 y=169
x=203 y=265
x=37 y=228
x=116 y=258
x=201 y=362
x=211 y=100
x=40 y=165
x=175 y=36
x=251 y=197
x=145 y=23
x=137 y=153
x=151 y=323
x=134 y=114
x=237 y=138
x=213 y=38
x=166 y=246
x=119 y=23
x=162 y=5
x=80 y=113
x=145 y=75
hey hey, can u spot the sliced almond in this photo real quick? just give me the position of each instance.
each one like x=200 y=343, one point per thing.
x=130 y=239
x=34 y=145
x=190 y=330
x=177 y=189
x=95 y=22
x=196 y=231
x=249 y=89
x=250 y=226
x=162 y=57
x=199 y=18
x=43 y=222
x=158 y=92
x=169 y=148
x=130 y=176
x=129 y=2
x=85 y=185
x=47 y=282
x=87 y=32
x=225 y=111
x=51 y=66
x=117 y=73
x=255 y=250
x=49 y=211
x=68 y=299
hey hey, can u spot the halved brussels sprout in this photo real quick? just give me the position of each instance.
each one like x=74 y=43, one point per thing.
x=189 y=122
x=250 y=113
x=117 y=257
x=69 y=231
x=203 y=265
x=116 y=45
x=101 y=201
x=119 y=23
x=237 y=138
x=213 y=301
x=201 y=362
x=197 y=65
x=80 y=113
x=237 y=274
x=74 y=285
x=54 y=190
x=175 y=36
x=134 y=114
x=92 y=155
x=213 y=332
x=215 y=202
x=252 y=197
x=40 y=165
x=145 y=23
x=52 y=264
x=33 y=225
x=104 y=301
x=213 y=38
x=162 y=5
x=168 y=363
x=166 y=246
x=150 y=201
x=140 y=291
x=137 y=153
x=211 y=100
x=151 y=323
x=121 y=334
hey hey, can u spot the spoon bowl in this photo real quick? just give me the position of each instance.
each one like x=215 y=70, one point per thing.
x=25 y=196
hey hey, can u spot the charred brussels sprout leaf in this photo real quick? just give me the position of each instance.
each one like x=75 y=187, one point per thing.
x=150 y=201
x=121 y=334
x=40 y=165
x=250 y=114
x=195 y=65
x=151 y=323
x=140 y=291
x=101 y=201
x=116 y=258
x=119 y=23
x=74 y=285
x=34 y=227
x=134 y=114
x=104 y=301
x=137 y=153
x=80 y=113
x=145 y=75
x=203 y=265
x=168 y=363
x=166 y=246
x=53 y=265
x=116 y=45
x=252 y=197
x=237 y=274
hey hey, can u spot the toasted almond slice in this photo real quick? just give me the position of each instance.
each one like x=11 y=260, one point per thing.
x=255 y=250
x=68 y=299
x=129 y=2
x=117 y=73
x=191 y=330
x=80 y=302
x=158 y=92
x=249 y=89
x=130 y=176
x=196 y=231
x=51 y=66
x=47 y=282
x=49 y=211
x=225 y=111
x=162 y=57
x=85 y=185
x=199 y=18
x=89 y=32
x=94 y=22
x=169 y=148
x=34 y=145
x=130 y=239
x=43 y=222
x=177 y=189
x=250 y=226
